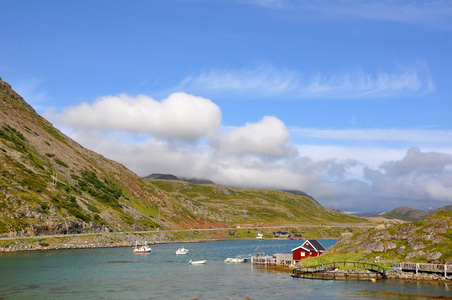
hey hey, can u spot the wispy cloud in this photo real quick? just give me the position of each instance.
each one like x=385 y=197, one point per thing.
x=266 y=81
x=430 y=13
x=32 y=90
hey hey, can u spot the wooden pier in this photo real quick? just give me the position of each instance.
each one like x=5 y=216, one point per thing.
x=444 y=269
x=280 y=259
x=263 y=260
x=342 y=271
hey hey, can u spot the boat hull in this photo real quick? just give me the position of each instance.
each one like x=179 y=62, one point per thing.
x=197 y=262
x=235 y=260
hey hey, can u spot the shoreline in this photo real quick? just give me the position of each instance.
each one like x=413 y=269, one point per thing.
x=102 y=241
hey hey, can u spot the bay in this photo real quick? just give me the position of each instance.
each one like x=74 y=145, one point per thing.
x=118 y=273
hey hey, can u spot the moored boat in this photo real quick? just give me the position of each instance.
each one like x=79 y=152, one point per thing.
x=141 y=249
x=235 y=260
x=197 y=262
x=182 y=251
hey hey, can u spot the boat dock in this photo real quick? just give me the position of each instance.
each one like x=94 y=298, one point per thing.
x=342 y=271
x=277 y=259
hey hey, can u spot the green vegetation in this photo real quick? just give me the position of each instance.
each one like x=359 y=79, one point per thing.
x=60 y=162
x=71 y=205
x=12 y=137
x=108 y=192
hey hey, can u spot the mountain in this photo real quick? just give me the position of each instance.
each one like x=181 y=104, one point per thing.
x=49 y=184
x=406 y=214
x=161 y=176
x=172 y=177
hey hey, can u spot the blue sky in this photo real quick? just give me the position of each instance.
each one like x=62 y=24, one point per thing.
x=349 y=101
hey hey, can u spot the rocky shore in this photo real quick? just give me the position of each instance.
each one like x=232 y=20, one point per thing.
x=418 y=277
x=80 y=242
x=391 y=275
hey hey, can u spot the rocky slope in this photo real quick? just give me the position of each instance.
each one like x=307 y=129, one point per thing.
x=50 y=184
x=429 y=240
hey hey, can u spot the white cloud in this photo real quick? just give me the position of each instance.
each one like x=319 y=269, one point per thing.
x=417 y=162
x=180 y=115
x=267 y=137
x=265 y=80
x=421 y=177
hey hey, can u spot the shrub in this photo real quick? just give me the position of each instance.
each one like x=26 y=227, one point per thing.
x=61 y=163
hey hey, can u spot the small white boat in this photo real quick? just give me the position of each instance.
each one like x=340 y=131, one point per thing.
x=235 y=260
x=197 y=262
x=141 y=249
x=182 y=251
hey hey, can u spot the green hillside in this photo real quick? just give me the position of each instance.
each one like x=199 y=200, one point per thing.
x=250 y=206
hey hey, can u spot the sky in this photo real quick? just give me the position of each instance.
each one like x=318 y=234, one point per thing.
x=348 y=101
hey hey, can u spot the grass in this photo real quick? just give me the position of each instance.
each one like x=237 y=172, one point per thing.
x=329 y=258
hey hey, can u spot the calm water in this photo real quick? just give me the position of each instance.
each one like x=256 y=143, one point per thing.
x=120 y=274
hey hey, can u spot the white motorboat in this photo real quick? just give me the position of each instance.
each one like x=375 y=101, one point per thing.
x=182 y=251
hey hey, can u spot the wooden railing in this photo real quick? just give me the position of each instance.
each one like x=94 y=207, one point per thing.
x=263 y=260
x=421 y=267
x=284 y=258
x=342 y=270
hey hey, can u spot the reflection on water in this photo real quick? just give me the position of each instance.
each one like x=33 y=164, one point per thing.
x=120 y=274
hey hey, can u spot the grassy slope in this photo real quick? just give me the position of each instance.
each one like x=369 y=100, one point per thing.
x=251 y=206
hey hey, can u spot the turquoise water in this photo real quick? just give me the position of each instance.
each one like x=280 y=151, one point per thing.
x=119 y=274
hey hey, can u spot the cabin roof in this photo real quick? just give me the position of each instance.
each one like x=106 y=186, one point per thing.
x=316 y=246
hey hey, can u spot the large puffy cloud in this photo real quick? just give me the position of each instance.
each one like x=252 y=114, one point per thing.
x=267 y=137
x=180 y=115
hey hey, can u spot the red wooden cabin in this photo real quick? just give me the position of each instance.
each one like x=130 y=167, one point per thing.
x=310 y=248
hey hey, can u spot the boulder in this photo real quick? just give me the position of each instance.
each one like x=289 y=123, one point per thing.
x=372 y=246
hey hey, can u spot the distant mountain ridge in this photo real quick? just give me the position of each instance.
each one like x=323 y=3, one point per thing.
x=173 y=177
x=406 y=214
